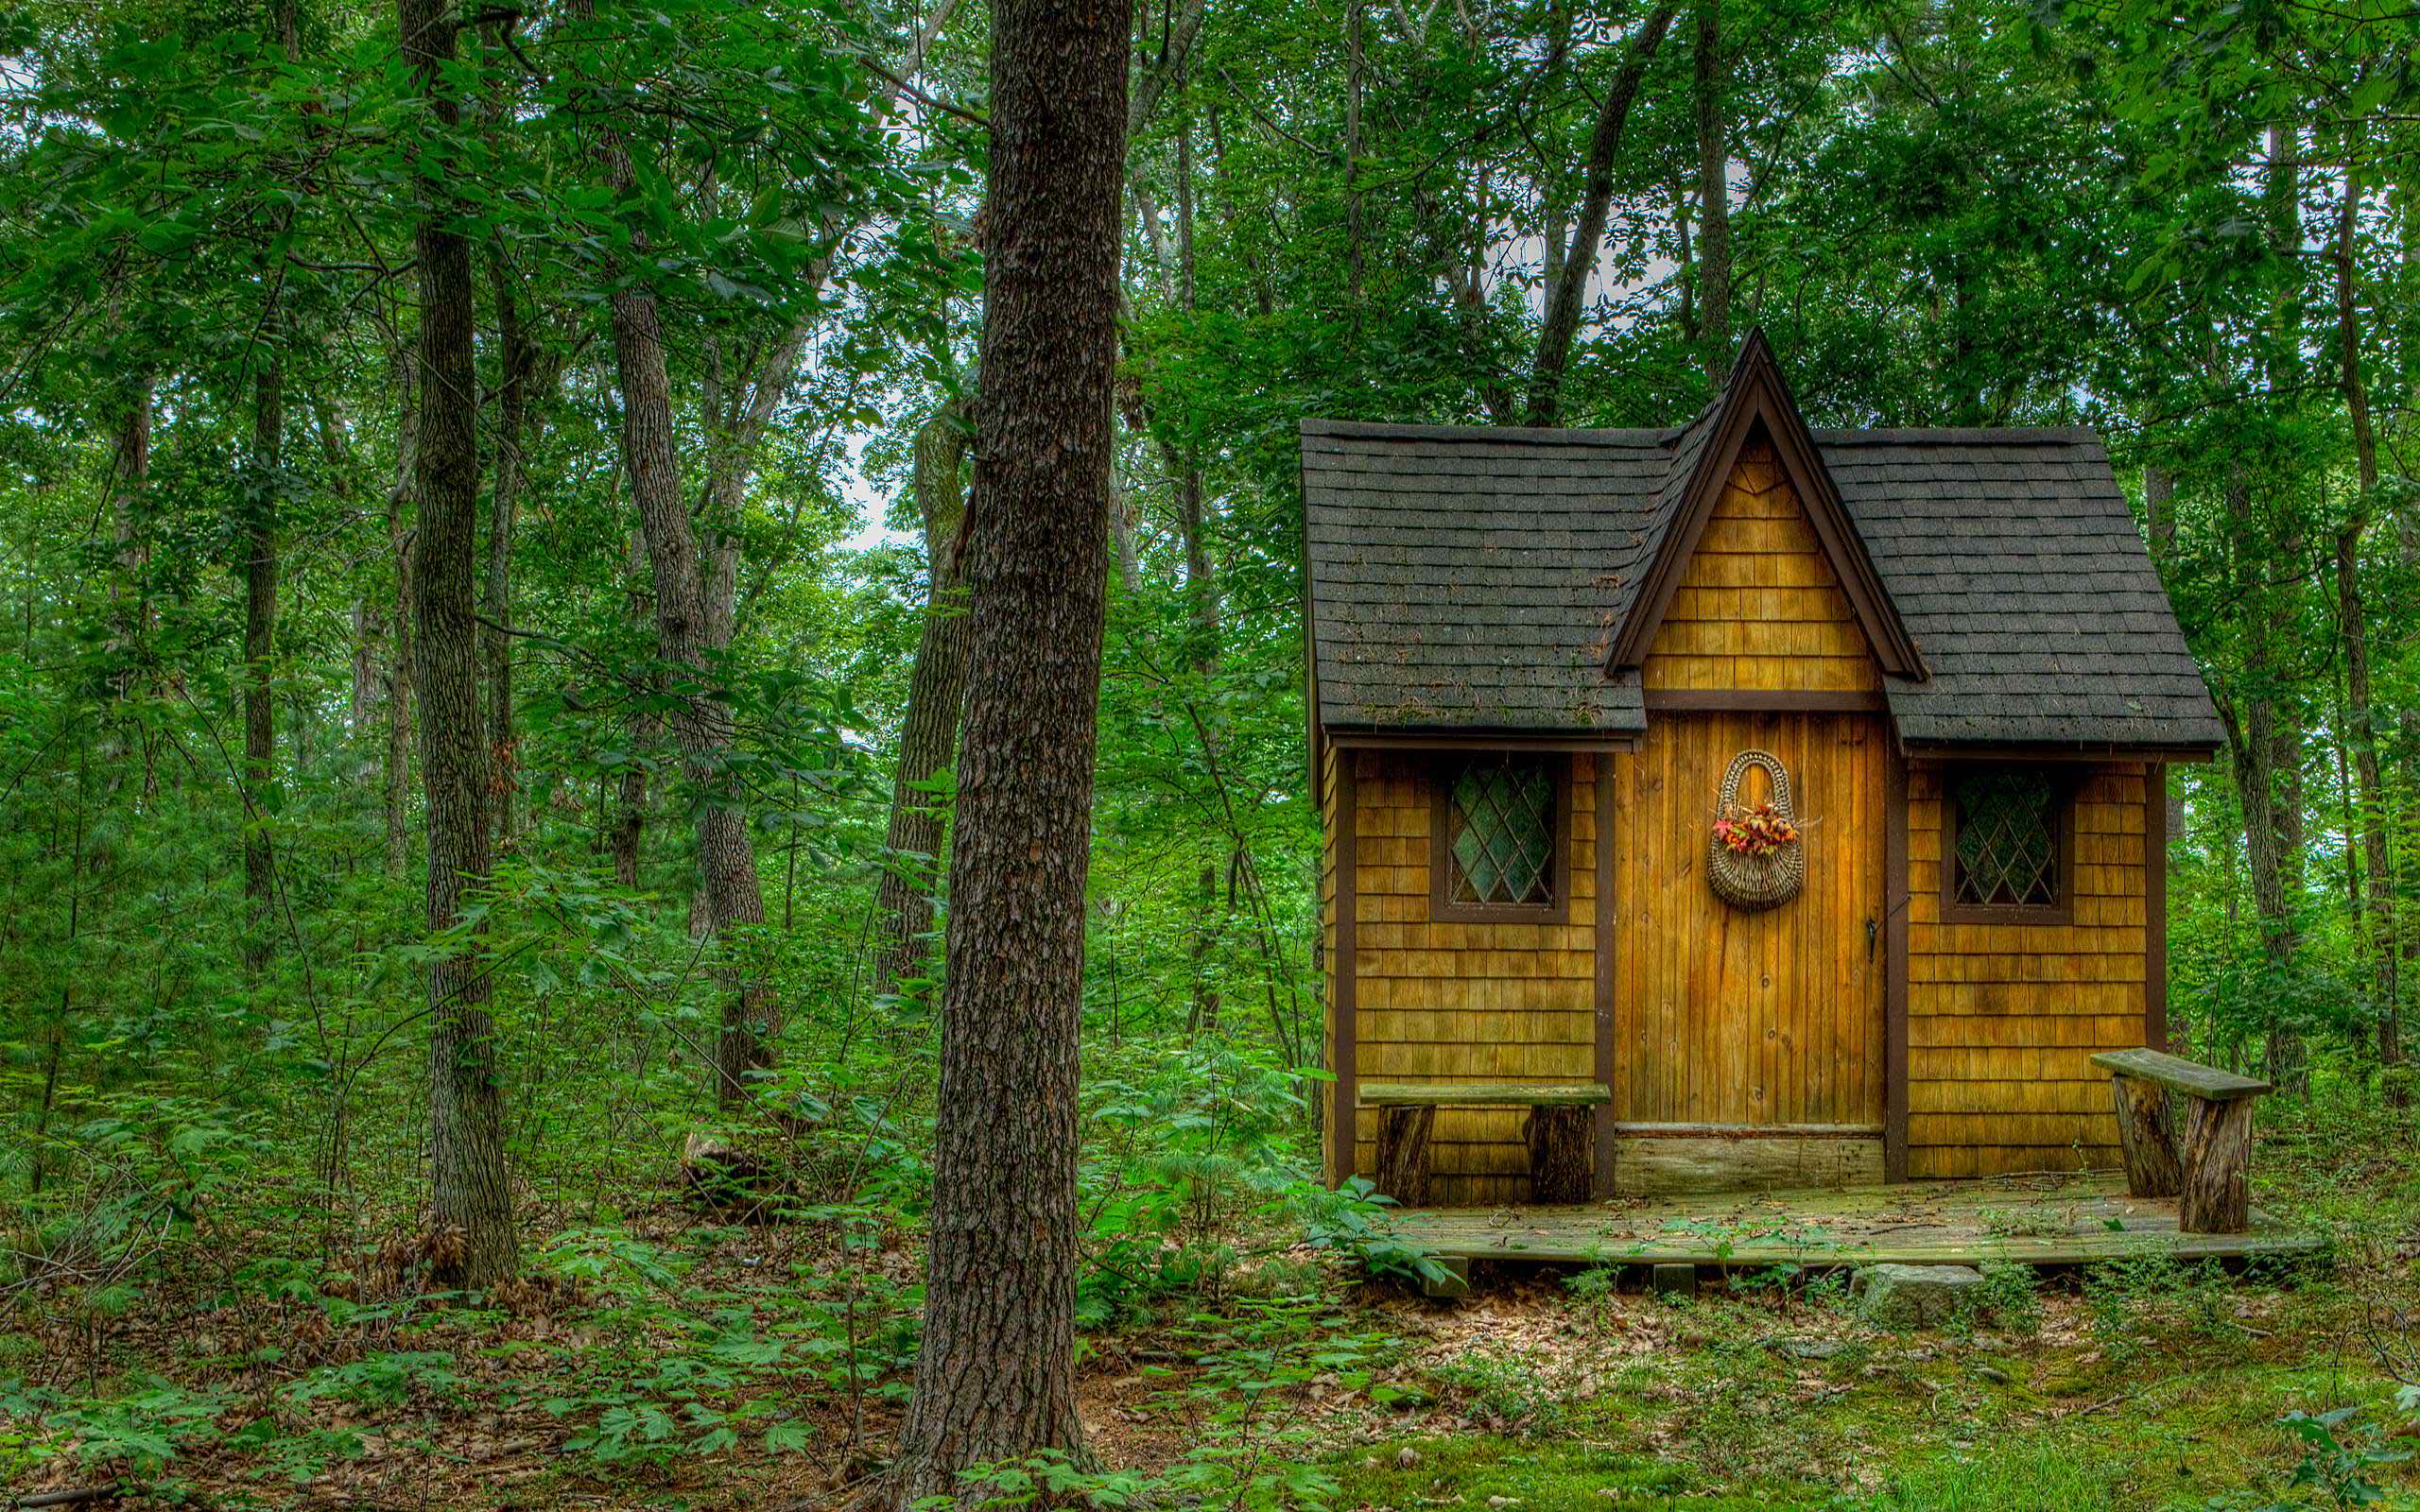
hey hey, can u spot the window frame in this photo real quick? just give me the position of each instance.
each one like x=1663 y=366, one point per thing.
x=1443 y=908
x=2061 y=910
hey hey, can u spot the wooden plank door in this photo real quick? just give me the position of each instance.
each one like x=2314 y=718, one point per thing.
x=1761 y=1030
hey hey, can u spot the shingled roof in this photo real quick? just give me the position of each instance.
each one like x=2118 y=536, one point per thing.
x=1471 y=579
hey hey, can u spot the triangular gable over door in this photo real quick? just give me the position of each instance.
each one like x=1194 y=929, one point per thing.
x=1759 y=605
x=1756 y=489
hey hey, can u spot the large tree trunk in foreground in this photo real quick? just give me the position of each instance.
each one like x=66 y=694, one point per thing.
x=472 y=1240
x=995 y=1375
x=260 y=653
x=1561 y=325
x=936 y=694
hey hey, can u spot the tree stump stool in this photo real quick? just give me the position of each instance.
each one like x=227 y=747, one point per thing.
x=1402 y=1152
x=1562 y=1146
x=2210 y=1175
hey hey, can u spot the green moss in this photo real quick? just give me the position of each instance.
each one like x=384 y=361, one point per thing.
x=1550 y=1477
x=2014 y=1474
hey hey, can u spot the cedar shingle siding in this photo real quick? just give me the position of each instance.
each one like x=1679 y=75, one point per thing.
x=1474 y=578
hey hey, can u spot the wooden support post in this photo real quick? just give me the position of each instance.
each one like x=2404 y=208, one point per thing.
x=1561 y=1146
x=2148 y=1136
x=1402 y=1152
x=2217 y=1197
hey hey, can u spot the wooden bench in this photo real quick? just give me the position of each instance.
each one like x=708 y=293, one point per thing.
x=1558 y=1130
x=2210 y=1174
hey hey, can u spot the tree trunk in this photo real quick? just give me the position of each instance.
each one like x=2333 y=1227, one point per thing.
x=401 y=512
x=996 y=1374
x=517 y=362
x=936 y=696
x=260 y=654
x=472 y=1240
x=687 y=626
x=1713 y=197
x=2252 y=748
x=2361 y=733
x=2159 y=507
x=1561 y=325
x=629 y=824
x=129 y=474
x=1353 y=69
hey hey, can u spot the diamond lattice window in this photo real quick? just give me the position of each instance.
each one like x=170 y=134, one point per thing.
x=1502 y=834
x=2008 y=841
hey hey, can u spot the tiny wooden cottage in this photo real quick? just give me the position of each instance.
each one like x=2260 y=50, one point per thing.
x=1535 y=657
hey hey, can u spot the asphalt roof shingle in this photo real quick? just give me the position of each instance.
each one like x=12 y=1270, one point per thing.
x=1469 y=577
x=1474 y=578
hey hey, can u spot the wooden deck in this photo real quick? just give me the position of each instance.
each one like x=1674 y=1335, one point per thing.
x=2040 y=1220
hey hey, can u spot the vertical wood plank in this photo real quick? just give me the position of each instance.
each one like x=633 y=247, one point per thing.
x=1605 y=957
x=1895 y=901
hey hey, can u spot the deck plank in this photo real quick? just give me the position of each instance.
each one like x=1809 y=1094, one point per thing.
x=2040 y=1220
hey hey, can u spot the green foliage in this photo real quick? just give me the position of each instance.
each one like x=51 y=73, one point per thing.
x=2149 y=1298
x=2009 y=1298
x=1980 y=215
x=2340 y=1464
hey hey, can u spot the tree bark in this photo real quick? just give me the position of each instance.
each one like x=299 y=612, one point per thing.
x=519 y=382
x=687 y=628
x=936 y=696
x=2147 y=1136
x=629 y=824
x=1562 y=1145
x=1713 y=197
x=2217 y=1195
x=2362 y=733
x=2252 y=747
x=1403 y=1153
x=1352 y=233
x=995 y=1373
x=1562 y=326
x=260 y=654
x=401 y=511
x=473 y=1243
x=129 y=474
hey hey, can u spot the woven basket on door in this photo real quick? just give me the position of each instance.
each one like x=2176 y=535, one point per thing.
x=1767 y=879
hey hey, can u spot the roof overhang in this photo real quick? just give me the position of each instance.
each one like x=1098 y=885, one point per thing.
x=1987 y=751
x=1463 y=739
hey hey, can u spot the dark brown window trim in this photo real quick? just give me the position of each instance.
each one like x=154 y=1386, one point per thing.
x=2063 y=786
x=1442 y=908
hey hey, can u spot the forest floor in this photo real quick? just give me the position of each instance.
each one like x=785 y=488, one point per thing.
x=669 y=1363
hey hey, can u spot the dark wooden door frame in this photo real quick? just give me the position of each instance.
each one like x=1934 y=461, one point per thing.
x=1895 y=893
